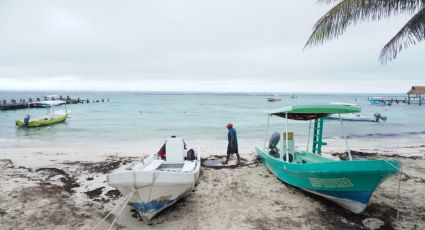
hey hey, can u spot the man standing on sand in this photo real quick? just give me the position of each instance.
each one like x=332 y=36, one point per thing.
x=232 y=146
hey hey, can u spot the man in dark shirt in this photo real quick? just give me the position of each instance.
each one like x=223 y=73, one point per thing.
x=232 y=146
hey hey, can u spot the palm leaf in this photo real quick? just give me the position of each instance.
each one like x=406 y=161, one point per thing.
x=348 y=12
x=328 y=1
x=410 y=34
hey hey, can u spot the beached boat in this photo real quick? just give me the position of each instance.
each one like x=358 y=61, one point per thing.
x=155 y=184
x=52 y=116
x=348 y=183
x=274 y=98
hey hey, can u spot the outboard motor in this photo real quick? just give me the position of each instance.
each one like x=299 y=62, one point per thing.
x=378 y=117
x=27 y=120
x=274 y=140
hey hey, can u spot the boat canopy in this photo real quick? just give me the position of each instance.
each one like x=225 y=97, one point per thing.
x=311 y=112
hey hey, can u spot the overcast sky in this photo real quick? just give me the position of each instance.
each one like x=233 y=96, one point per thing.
x=194 y=45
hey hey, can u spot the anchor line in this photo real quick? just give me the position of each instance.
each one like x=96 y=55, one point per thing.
x=400 y=172
x=97 y=225
x=154 y=177
x=122 y=208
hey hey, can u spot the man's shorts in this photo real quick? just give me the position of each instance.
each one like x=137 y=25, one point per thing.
x=231 y=150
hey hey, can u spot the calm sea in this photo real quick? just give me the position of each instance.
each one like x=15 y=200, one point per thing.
x=140 y=118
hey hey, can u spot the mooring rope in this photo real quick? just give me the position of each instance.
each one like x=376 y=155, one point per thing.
x=308 y=139
x=129 y=195
x=345 y=137
x=122 y=208
x=154 y=177
x=400 y=171
x=267 y=131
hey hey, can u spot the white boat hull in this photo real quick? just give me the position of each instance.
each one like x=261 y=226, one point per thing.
x=354 y=206
x=155 y=190
x=347 y=117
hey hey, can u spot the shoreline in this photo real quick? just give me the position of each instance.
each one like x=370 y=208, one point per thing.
x=42 y=186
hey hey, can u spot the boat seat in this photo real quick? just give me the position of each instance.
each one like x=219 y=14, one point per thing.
x=188 y=166
x=153 y=165
x=174 y=150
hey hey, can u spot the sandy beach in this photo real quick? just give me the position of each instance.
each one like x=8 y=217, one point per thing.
x=66 y=189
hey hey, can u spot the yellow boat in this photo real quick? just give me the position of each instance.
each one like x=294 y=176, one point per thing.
x=52 y=117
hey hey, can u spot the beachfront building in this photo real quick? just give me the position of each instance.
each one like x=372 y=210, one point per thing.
x=416 y=95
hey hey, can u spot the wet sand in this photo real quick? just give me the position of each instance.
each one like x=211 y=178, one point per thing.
x=42 y=189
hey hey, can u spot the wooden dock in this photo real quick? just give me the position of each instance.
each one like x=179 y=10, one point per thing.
x=391 y=100
x=23 y=104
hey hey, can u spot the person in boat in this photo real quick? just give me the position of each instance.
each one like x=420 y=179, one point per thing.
x=163 y=150
x=232 y=146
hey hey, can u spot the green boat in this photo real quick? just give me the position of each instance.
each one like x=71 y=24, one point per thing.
x=349 y=183
x=52 y=116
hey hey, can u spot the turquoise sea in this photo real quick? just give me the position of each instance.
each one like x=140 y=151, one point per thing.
x=142 y=117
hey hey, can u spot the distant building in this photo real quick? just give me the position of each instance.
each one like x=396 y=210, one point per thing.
x=416 y=95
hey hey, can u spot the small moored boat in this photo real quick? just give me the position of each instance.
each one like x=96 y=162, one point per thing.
x=46 y=104
x=274 y=98
x=348 y=183
x=52 y=116
x=357 y=117
x=155 y=184
x=379 y=101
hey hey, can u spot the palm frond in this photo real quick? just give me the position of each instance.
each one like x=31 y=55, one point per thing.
x=348 y=12
x=410 y=34
x=327 y=1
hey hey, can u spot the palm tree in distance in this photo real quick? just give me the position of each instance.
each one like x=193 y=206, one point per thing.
x=349 y=12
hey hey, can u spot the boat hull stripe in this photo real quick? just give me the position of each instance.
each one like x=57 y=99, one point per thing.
x=362 y=197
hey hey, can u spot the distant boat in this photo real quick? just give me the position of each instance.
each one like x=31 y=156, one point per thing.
x=45 y=104
x=349 y=184
x=293 y=96
x=344 y=103
x=274 y=98
x=354 y=116
x=357 y=117
x=378 y=101
x=52 y=116
x=155 y=184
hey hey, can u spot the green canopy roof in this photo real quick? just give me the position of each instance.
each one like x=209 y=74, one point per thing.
x=309 y=112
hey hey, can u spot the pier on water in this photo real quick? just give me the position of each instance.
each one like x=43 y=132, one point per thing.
x=30 y=103
x=416 y=95
x=389 y=100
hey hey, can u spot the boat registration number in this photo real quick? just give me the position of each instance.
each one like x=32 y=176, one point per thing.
x=330 y=183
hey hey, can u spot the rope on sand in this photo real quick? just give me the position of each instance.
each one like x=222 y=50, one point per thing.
x=118 y=205
x=122 y=208
x=400 y=172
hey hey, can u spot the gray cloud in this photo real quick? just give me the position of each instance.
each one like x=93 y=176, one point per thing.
x=191 y=45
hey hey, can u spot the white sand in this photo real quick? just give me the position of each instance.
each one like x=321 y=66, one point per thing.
x=248 y=197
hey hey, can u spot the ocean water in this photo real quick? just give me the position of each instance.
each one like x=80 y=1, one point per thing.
x=146 y=118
